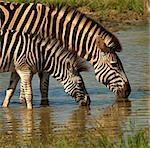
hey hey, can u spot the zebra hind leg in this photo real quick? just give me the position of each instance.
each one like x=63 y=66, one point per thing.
x=26 y=77
x=44 y=84
x=14 y=78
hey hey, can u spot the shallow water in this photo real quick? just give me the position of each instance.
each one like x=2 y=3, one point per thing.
x=64 y=114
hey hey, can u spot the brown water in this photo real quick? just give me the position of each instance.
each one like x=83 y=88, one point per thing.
x=64 y=114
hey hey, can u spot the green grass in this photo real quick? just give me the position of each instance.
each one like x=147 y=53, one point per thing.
x=99 y=5
x=91 y=139
x=138 y=140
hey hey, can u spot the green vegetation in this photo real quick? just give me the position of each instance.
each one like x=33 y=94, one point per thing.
x=90 y=139
x=96 y=5
x=139 y=140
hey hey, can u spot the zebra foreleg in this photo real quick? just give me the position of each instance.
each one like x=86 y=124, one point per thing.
x=14 y=78
x=44 y=84
x=22 y=94
x=26 y=77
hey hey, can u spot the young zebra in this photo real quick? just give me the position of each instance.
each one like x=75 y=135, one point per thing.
x=75 y=31
x=27 y=54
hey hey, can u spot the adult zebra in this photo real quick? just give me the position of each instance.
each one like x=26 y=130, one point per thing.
x=76 y=32
x=27 y=54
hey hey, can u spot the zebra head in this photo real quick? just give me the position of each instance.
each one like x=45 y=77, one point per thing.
x=74 y=84
x=109 y=71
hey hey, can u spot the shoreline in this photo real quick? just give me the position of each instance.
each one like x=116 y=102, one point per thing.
x=114 y=21
x=114 y=15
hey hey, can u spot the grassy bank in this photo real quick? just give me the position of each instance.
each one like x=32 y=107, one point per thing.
x=110 y=13
x=99 y=5
x=129 y=137
x=89 y=140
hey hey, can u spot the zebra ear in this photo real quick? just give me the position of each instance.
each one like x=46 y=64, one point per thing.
x=101 y=45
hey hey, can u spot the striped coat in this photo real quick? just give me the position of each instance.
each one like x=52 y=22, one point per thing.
x=77 y=32
x=27 y=54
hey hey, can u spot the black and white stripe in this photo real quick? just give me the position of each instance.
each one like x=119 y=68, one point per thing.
x=27 y=54
x=75 y=31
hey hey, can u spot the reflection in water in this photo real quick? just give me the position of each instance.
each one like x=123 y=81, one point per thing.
x=40 y=122
x=77 y=124
x=17 y=124
x=26 y=123
x=110 y=121
x=18 y=121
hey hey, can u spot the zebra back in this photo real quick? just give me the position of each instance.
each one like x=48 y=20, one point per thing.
x=73 y=28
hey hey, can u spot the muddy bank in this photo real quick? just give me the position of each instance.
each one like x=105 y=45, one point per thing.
x=115 y=21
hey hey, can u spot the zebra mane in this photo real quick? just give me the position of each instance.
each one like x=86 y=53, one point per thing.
x=79 y=63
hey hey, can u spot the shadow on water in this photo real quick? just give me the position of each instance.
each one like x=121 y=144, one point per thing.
x=17 y=124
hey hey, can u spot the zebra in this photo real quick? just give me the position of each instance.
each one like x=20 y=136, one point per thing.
x=77 y=32
x=27 y=54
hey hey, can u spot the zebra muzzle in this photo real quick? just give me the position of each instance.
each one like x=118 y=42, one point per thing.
x=125 y=91
x=83 y=100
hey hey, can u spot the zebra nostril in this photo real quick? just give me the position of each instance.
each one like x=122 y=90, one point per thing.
x=126 y=90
